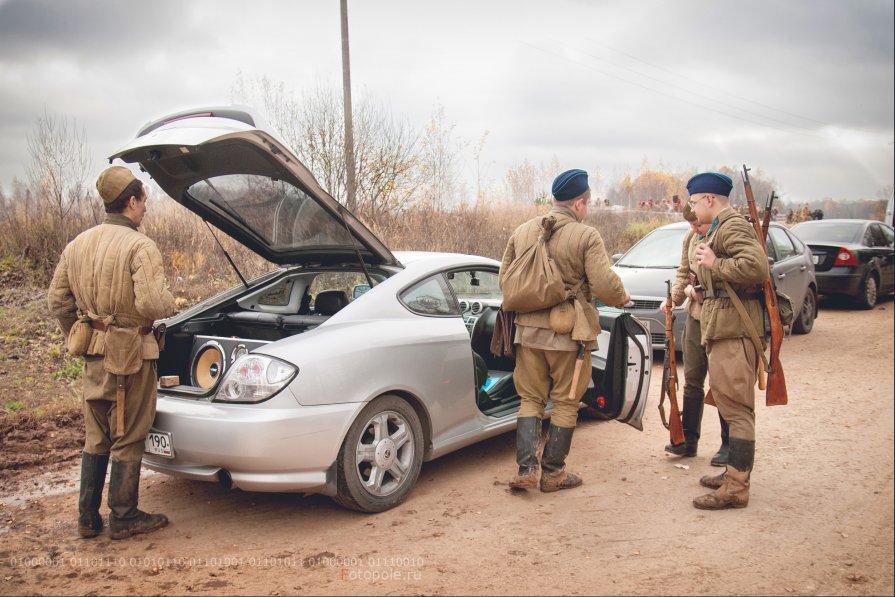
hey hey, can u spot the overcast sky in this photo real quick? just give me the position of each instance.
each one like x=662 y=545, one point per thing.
x=801 y=89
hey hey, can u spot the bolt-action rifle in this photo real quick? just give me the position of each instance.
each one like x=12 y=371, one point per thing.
x=775 y=392
x=669 y=377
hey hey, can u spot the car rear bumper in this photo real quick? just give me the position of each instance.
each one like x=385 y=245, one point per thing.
x=253 y=447
x=839 y=280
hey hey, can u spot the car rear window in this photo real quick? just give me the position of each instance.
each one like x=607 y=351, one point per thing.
x=833 y=232
x=660 y=248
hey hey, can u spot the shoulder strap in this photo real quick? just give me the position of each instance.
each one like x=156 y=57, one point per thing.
x=750 y=327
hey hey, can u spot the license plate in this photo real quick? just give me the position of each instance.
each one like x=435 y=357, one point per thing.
x=815 y=259
x=160 y=443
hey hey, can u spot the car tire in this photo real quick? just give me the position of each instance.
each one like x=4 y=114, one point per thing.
x=869 y=293
x=804 y=321
x=381 y=457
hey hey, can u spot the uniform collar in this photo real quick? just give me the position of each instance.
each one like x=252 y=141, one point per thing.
x=721 y=215
x=119 y=220
x=562 y=209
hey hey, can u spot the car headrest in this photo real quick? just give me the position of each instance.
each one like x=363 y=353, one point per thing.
x=329 y=302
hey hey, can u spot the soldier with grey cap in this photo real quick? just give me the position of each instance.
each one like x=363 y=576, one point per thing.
x=107 y=291
x=545 y=358
x=732 y=265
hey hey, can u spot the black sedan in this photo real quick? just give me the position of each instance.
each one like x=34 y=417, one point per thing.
x=852 y=258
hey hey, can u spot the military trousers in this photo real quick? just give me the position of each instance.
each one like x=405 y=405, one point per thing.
x=546 y=375
x=733 y=368
x=101 y=410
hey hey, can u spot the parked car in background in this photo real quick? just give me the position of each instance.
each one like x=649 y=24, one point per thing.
x=656 y=257
x=853 y=258
x=345 y=368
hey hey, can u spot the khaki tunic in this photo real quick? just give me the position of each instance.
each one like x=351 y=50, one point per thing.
x=545 y=360
x=114 y=274
x=732 y=359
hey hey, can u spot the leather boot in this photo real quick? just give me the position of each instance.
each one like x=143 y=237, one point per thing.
x=554 y=476
x=528 y=436
x=691 y=421
x=93 y=478
x=714 y=481
x=125 y=519
x=723 y=453
x=734 y=492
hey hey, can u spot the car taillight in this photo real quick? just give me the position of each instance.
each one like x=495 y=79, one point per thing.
x=845 y=257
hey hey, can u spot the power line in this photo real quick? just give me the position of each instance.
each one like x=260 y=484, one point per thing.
x=674 y=97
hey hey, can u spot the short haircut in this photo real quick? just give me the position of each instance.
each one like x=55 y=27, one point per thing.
x=134 y=189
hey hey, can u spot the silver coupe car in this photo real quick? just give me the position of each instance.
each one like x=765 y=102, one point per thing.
x=344 y=369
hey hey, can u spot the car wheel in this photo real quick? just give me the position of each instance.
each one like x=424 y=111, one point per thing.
x=381 y=456
x=805 y=321
x=869 y=293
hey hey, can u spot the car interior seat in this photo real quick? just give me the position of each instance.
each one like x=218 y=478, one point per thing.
x=329 y=302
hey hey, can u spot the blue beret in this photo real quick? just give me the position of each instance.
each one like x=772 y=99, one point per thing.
x=569 y=184
x=710 y=182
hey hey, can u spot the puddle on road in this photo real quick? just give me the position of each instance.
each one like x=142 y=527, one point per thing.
x=62 y=480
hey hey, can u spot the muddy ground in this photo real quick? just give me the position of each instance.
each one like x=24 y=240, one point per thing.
x=820 y=519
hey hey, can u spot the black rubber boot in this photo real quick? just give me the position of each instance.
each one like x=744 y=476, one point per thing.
x=125 y=519
x=93 y=478
x=691 y=421
x=553 y=462
x=721 y=456
x=528 y=436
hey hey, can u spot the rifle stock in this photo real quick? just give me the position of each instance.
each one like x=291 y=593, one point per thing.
x=776 y=381
x=669 y=376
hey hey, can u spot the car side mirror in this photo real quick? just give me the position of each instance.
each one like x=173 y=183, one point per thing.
x=616 y=257
x=358 y=290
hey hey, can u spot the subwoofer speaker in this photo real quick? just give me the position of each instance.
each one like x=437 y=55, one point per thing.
x=213 y=355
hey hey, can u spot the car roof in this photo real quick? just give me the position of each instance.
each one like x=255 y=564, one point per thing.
x=838 y=221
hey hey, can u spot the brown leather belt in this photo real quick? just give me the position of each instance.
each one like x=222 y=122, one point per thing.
x=98 y=325
x=743 y=295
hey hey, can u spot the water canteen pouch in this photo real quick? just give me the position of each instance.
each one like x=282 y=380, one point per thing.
x=124 y=350
x=562 y=317
x=79 y=337
x=532 y=282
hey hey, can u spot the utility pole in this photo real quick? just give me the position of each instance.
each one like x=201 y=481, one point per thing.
x=349 y=126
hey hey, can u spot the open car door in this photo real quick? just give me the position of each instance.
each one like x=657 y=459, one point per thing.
x=622 y=367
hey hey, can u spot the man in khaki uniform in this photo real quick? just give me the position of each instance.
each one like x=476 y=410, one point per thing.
x=545 y=359
x=111 y=277
x=729 y=259
x=695 y=361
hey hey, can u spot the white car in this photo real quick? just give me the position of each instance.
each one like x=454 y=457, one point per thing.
x=347 y=367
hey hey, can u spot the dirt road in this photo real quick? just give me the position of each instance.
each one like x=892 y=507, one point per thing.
x=820 y=519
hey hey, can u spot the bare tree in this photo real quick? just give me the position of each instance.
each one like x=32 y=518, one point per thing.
x=386 y=150
x=440 y=161
x=57 y=172
x=521 y=181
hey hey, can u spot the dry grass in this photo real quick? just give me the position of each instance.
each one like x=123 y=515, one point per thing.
x=197 y=267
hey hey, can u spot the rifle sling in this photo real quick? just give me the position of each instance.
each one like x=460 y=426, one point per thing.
x=750 y=328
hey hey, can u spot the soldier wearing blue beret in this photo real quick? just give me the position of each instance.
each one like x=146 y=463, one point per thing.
x=731 y=265
x=546 y=355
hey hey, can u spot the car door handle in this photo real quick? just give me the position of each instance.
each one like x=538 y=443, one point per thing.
x=781 y=276
x=803 y=268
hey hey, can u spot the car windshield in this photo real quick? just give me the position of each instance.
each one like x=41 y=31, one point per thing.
x=281 y=215
x=834 y=232
x=660 y=249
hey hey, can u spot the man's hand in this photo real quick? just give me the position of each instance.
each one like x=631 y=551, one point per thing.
x=705 y=256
